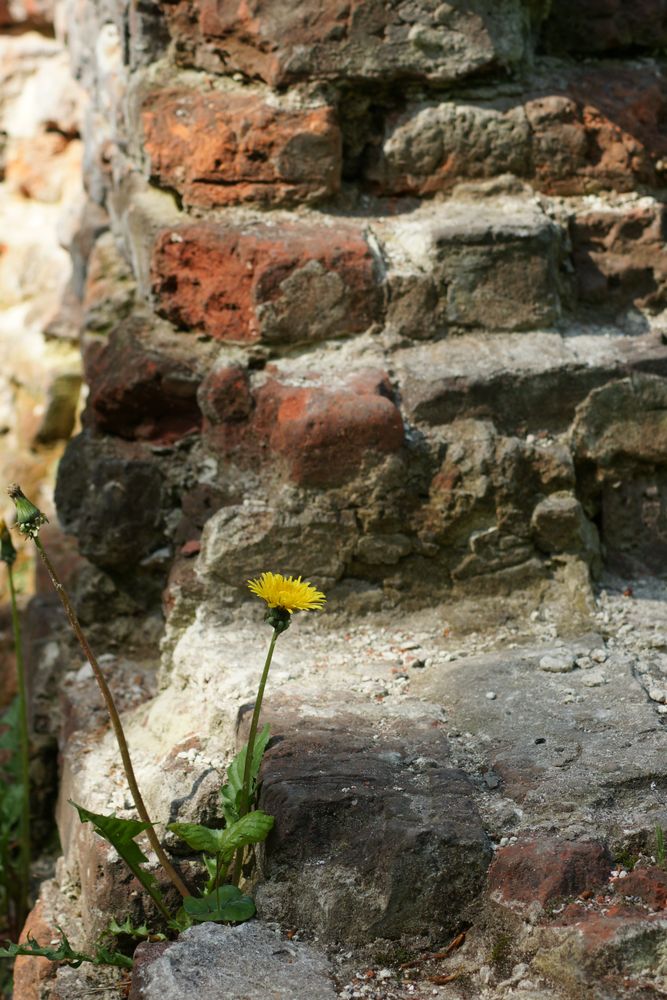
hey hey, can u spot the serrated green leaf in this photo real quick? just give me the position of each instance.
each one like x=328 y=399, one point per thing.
x=120 y=833
x=140 y=933
x=66 y=954
x=225 y=904
x=231 y=791
x=199 y=838
x=252 y=828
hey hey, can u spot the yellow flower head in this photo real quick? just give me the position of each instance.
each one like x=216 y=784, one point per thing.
x=287 y=592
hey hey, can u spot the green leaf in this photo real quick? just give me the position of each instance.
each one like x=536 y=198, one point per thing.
x=65 y=953
x=231 y=792
x=141 y=933
x=252 y=828
x=200 y=838
x=120 y=833
x=225 y=904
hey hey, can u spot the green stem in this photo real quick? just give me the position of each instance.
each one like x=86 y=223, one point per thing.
x=24 y=750
x=171 y=873
x=250 y=748
x=244 y=804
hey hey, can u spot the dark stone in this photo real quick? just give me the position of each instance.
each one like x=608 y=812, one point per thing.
x=374 y=838
x=109 y=494
x=139 y=391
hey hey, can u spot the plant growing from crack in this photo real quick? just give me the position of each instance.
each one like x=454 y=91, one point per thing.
x=244 y=827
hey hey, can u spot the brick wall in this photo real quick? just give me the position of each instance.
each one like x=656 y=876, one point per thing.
x=371 y=273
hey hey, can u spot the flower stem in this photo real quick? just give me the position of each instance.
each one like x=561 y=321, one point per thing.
x=171 y=873
x=245 y=803
x=24 y=751
x=250 y=748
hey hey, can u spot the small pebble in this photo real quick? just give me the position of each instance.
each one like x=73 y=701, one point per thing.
x=599 y=655
x=658 y=694
x=593 y=679
x=584 y=662
x=557 y=663
x=491 y=695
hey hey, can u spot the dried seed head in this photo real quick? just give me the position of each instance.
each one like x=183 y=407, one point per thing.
x=29 y=518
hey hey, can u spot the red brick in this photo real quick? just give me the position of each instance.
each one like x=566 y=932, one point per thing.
x=599 y=129
x=224 y=395
x=217 y=148
x=320 y=433
x=136 y=391
x=542 y=870
x=292 y=283
x=31 y=974
x=650 y=884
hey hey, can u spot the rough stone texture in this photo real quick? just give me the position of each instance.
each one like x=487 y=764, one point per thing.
x=623 y=472
x=571 y=130
x=498 y=269
x=619 y=258
x=224 y=962
x=136 y=390
x=369 y=41
x=221 y=148
x=291 y=283
x=374 y=837
x=545 y=870
x=322 y=432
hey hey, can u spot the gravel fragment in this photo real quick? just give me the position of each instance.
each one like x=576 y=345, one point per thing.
x=557 y=663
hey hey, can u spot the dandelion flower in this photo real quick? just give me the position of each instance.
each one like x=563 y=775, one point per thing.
x=287 y=592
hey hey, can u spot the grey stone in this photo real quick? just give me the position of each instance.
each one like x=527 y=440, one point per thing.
x=248 y=962
x=558 y=663
x=560 y=525
x=376 y=834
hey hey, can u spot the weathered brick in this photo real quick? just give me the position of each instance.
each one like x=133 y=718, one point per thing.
x=605 y=25
x=139 y=391
x=223 y=148
x=546 y=869
x=597 y=129
x=649 y=884
x=282 y=42
x=319 y=432
x=620 y=257
x=32 y=974
x=573 y=130
x=324 y=433
x=291 y=283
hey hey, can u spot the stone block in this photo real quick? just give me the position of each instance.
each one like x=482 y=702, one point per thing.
x=496 y=266
x=570 y=130
x=619 y=257
x=318 y=428
x=281 y=43
x=139 y=389
x=602 y=26
x=544 y=870
x=216 y=961
x=288 y=283
x=433 y=146
x=218 y=147
x=110 y=495
x=560 y=525
x=374 y=836
x=594 y=129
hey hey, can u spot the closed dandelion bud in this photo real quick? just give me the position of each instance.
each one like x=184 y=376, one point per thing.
x=7 y=550
x=278 y=618
x=29 y=518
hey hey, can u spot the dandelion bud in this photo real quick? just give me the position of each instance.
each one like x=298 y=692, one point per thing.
x=29 y=518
